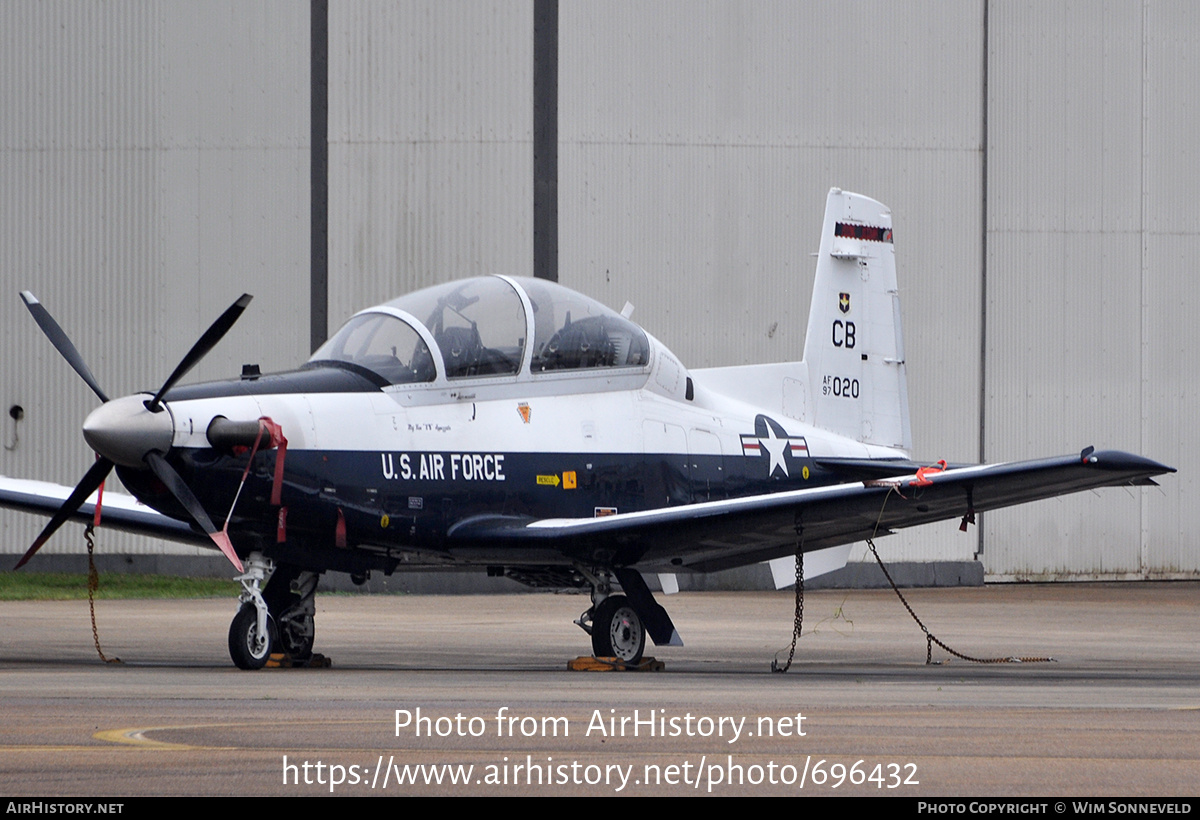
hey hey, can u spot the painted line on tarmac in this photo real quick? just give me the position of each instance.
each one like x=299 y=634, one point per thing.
x=136 y=736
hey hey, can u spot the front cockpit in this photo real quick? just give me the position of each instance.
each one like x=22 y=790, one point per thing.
x=383 y=344
x=479 y=328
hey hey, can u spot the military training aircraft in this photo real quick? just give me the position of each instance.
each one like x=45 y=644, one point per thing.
x=515 y=426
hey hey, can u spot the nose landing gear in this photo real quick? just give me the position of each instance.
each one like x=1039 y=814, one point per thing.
x=277 y=613
x=252 y=632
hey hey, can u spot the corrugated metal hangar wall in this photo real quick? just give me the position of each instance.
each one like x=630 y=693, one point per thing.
x=155 y=163
x=153 y=166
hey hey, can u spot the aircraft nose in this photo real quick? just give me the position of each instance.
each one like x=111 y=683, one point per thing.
x=123 y=430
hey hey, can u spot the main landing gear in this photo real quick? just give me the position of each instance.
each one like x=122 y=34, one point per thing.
x=619 y=624
x=276 y=614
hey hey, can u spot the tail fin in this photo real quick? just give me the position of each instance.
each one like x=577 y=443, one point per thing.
x=854 y=350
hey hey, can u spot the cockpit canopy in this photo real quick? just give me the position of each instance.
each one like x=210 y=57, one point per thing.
x=479 y=327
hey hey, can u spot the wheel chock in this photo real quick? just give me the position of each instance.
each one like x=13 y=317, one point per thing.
x=278 y=660
x=590 y=663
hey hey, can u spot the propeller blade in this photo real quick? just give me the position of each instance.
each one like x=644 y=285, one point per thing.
x=86 y=486
x=184 y=495
x=61 y=342
x=199 y=350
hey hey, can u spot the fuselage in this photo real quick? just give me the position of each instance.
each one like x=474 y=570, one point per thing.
x=389 y=469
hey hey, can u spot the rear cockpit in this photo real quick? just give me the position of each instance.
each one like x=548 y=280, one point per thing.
x=573 y=332
x=478 y=328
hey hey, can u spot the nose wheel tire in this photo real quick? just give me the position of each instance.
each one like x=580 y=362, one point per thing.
x=617 y=631
x=248 y=648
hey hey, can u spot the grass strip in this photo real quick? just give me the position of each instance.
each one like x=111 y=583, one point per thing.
x=67 y=586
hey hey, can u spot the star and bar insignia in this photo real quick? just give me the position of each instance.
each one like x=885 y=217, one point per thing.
x=771 y=439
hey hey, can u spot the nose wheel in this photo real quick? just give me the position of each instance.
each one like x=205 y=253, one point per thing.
x=249 y=643
x=617 y=631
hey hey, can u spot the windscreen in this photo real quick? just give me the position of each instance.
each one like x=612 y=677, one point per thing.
x=383 y=344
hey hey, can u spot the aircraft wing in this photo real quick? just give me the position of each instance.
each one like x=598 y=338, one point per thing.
x=118 y=511
x=718 y=535
x=712 y=535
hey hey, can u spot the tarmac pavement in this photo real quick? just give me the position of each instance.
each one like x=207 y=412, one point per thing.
x=474 y=689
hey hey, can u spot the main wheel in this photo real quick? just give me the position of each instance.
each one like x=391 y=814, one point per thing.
x=617 y=630
x=247 y=648
x=296 y=636
x=288 y=596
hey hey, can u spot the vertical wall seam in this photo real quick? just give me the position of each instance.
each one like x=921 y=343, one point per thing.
x=1143 y=512
x=319 y=173
x=983 y=266
x=545 y=139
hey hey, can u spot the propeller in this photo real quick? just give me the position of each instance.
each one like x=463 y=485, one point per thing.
x=200 y=349
x=184 y=495
x=87 y=485
x=61 y=343
x=129 y=432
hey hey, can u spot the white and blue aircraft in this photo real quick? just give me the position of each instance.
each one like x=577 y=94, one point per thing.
x=514 y=426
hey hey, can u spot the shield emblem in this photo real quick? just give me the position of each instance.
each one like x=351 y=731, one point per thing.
x=844 y=302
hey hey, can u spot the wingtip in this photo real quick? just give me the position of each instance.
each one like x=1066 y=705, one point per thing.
x=1119 y=460
x=29 y=298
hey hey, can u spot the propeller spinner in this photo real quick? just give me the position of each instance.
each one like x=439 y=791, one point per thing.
x=132 y=431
